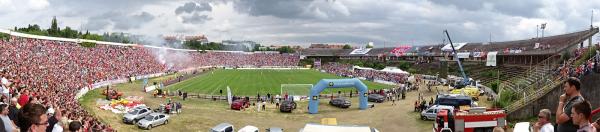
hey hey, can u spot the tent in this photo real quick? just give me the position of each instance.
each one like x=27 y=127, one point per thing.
x=394 y=70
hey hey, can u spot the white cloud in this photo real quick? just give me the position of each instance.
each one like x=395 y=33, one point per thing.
x=314 y=21
x=38 y=4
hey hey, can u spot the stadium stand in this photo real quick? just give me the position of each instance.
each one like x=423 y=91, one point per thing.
x=50 y=71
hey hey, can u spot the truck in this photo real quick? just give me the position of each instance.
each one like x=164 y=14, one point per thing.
x=458 y=101
x=471 y=91
x=476 y=119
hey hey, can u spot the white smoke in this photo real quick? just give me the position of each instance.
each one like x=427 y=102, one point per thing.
x=170 y=58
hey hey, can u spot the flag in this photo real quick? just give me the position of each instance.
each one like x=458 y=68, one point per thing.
x=229 y=97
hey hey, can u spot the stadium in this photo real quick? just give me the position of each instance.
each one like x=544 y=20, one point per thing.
x=64 y=79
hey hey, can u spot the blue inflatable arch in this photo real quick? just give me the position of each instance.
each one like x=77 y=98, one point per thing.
x=313 y=104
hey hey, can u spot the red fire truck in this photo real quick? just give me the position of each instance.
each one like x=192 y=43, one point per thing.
x=477 y=119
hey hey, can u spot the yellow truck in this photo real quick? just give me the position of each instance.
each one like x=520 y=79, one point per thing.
x=469 y=91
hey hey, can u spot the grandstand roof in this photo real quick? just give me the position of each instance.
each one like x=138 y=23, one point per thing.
x=547 y=45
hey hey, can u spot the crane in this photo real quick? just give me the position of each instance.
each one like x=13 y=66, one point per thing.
x=465 y=81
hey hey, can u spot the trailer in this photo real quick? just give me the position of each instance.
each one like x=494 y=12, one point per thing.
x=477 y=119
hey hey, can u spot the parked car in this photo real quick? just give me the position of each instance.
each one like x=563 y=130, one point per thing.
x=136 y=114
x=340 y=102
x=153 y=120
x=274 y=129
x=249 y=129
x=287 y=106
x=239 y=104
x=431 y=112
x=376 y=98
x=223 y=127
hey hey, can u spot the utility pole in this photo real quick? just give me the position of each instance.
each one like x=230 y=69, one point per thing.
x=537 y=31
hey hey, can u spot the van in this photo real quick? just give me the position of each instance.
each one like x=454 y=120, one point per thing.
x=249 y=129
x=431 y=112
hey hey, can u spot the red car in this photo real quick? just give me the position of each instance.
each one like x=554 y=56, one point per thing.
x=238 y=104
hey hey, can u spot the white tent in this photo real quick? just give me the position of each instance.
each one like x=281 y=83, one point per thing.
x=362 y=68
x=394 y=70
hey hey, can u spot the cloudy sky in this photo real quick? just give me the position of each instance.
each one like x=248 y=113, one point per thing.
x=301 y=22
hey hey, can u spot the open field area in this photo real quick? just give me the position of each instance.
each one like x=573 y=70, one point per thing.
x=201 y=114
x=251 y=82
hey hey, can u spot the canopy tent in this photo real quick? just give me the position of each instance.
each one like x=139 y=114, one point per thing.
x=394 y=70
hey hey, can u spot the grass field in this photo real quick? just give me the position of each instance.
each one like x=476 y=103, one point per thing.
x=199 y=115
x=249 y=82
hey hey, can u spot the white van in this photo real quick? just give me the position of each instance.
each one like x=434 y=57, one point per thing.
x=249 y=129
x=431 y=112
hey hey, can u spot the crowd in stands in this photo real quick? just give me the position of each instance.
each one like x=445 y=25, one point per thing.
x=235 y=59
x=347 y=70
x=40 y=74
x=567 y=69
x=50 y=73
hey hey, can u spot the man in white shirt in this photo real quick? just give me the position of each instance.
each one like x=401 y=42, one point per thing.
x=543 y=124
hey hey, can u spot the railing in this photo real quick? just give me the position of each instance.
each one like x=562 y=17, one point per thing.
x=535 y=94
x=548 y=64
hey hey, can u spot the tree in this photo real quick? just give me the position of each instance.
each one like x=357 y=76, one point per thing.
x=286 y=49
x=256 y=47
x=4 y=36
x=54 y=30
x=193 y=44
x=404 y=65
x=347 y=46
x=369 y=46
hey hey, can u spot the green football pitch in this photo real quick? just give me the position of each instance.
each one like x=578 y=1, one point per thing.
x=251 y=82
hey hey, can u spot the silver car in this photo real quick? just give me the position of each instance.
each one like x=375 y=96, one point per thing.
x=274 y=129
x=136 y=114
x=153 y=120
x=223 y=127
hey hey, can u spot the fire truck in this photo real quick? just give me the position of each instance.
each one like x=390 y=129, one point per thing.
x=476 y=119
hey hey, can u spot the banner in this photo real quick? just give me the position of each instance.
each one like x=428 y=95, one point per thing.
x=491 y=58
x=462 y=55
x=401 y=50
x=360 y=51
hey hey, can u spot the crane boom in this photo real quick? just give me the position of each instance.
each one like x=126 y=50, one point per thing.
x=465 y=81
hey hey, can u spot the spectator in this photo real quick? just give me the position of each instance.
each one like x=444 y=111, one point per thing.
x=8 y=124
x=75 y=126
x=571 y=97
x=13 y=109
x=543 y=124
x=581 y=113
x=33 y=118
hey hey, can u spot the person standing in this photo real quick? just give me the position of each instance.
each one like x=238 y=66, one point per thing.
x=571 y=97
x=581 y=113
x=543 y=124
